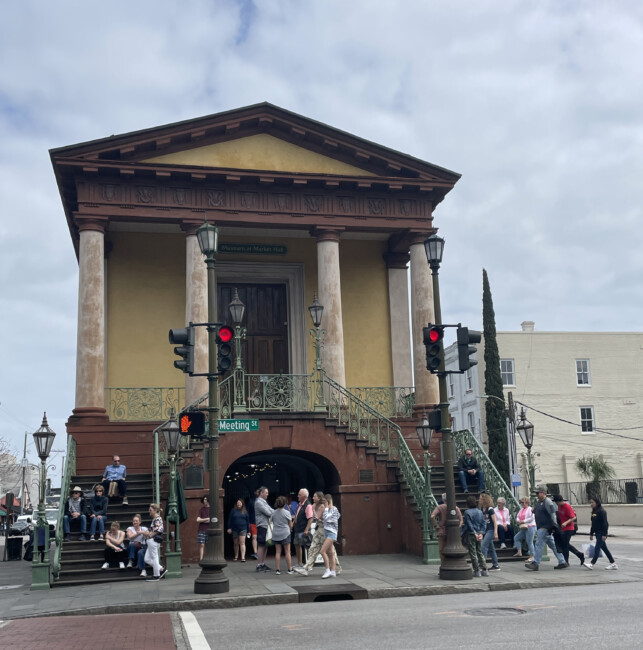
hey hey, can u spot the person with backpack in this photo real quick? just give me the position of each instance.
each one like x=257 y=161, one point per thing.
x=566 y=520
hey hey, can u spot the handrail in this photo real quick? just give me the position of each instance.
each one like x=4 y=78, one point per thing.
x=494 y=483
x=69 y=470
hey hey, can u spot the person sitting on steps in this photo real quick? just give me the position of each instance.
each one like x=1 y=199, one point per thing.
x=116 y=473
x=470 y=471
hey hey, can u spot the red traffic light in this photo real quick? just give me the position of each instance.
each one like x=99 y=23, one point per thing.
x=225 y=334
x=435 y=334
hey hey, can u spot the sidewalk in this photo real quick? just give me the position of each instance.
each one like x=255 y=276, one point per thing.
x=382 y=576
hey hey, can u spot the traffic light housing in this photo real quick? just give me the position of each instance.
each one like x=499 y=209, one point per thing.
x=184 y=339
x=433 y=335
x=467 y=340
x=225 y=334
x=192 y=423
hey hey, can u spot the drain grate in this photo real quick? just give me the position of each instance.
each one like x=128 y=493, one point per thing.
x=330 y=591
x=494 y=611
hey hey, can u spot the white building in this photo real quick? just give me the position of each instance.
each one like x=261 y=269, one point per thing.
x=583 y=390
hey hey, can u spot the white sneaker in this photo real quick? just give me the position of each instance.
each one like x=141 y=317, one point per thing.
x=327 y=574
x=143 y=573
x=121 y=565
x=503 y=545
x=300 y=570
x=130 y=564
x=333 y=574
x=105 y=566
x=611 y=567
x=588 y=565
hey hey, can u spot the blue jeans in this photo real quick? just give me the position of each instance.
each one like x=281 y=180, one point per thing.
x=97 y=522
x=137 y=554
x=479 y=476
x=543 y=536
x=600 y=545
x=528 y=535
x=487 y=545
x=83 y=523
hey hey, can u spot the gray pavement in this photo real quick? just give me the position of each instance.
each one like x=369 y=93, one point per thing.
x=382 y=576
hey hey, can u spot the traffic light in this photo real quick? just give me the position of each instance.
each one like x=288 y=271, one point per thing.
x=225 y=335
x=192 y=423
x=433 y=335
x=466 y=347
x=184 y=339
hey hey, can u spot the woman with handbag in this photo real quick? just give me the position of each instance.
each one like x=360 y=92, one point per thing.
x=154 y=538
x=566 y=518
x=137 y=545
x=526 y=529
x=600 y=527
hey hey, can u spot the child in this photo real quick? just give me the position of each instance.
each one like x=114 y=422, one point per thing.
x=473 y=530
x=281 y=527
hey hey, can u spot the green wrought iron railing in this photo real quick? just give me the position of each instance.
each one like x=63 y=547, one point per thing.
x=68 y=471
x=143 y=404
x=493 y=482
x=390 y=401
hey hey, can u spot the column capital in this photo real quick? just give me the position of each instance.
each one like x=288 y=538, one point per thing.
x=190 y=227
x=98 y=224
x=396 y=260
x=419 y=237
x=326 y=234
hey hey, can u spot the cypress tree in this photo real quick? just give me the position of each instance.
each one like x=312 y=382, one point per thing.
x=494 y=408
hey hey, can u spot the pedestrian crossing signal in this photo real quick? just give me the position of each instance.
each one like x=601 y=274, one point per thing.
x=192 y=423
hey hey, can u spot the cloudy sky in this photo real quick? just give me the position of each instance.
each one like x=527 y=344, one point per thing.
x=537 y=105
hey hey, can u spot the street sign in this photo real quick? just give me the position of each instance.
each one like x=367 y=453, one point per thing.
x=515 y=480
x=238 y=425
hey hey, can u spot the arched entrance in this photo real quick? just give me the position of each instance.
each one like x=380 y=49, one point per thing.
x=283 y=472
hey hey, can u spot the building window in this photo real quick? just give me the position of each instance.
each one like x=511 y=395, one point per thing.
x=582 y=372
x=450 y=386
x=454 y=426
x=507 y=372
x=469 y=376
x=472 y=426
x=587 y=419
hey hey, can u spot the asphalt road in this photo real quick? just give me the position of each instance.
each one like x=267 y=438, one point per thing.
x=596 y=617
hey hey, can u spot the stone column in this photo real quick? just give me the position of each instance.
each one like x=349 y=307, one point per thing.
x=426 y=384
x=90 y=346
x=398 y=300
x=196 y=310
x=330 y=296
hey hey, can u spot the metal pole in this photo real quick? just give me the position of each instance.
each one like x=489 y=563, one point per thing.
x=40 y=570
x=532 y=476
x=173 y=557
x=212 y=580
x=430 y=546
x=320 y=402
x=454 y=565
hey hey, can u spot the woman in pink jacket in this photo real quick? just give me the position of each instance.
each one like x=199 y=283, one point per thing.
x=526 y=522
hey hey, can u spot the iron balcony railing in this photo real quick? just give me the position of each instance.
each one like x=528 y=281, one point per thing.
x=143 y=404
x=629 y=490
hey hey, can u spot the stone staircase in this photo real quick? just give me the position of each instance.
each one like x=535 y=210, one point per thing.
x=81 y=561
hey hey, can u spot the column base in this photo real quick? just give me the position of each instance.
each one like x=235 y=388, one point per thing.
x=431 y=553
x=40 y=576
x=88 y=415
x=173 y=564
x=211 y=581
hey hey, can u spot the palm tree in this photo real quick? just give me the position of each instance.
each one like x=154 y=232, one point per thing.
x=595 y=469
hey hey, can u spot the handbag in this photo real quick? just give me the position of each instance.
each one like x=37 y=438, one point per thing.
x=269 y=541
x=113 y=489
x=158 y=538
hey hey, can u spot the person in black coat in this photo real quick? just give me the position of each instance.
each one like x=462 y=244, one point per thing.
x=98 y=512
x=469 y=470
x=599 y=528
x=75 y=508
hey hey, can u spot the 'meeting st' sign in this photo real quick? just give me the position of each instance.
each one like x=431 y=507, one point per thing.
x=238 y=425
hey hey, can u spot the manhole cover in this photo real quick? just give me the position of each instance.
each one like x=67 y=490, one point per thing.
x=494 y=611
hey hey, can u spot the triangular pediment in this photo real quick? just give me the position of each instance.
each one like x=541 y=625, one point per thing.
x=261 y=151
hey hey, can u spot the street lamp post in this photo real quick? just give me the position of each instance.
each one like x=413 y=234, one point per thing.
x=40 y=567
x=237 y=310
x=526 y=431
x=429 y=544
x=172 y=435
x=316 y=310
x=454 y=565
x=212 y=580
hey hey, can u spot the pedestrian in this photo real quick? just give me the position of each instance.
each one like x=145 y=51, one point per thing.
x=469 y=470
x=97 y=512
x=317 y=528
x=546 y=524
x=330 y=517
x=75 y=508
x=491 y=531
x=203 y=519
x=263 y=512
x=281 y=528
x=137 y=545
x=599 y=528
x=473 y=528
x=566 y=518
x=439 y=521
x=154 y=538
x=250 y=507
x=505 y=529
x=302 y=521
x=526 y=529
x=238 y=524
x=116 y=473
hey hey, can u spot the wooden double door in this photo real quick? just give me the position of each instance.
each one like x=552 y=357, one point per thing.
x=265 y=348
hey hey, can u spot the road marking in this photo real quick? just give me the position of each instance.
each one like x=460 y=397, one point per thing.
x=295 y=627
x=193 y=630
